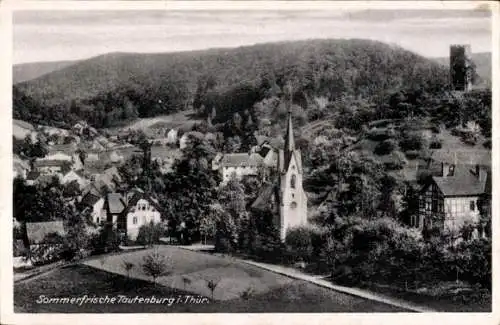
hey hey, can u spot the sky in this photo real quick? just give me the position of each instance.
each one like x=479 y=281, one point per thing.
x=72 y=35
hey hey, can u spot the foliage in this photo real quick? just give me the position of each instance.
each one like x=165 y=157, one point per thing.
x=411 y=141
x=299 y=243
x=150 y=234
x=127 y=266
x=212 y=285
x=156 y=265
x=385 y=147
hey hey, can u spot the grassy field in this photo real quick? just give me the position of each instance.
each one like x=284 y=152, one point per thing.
x=150 y=125
x=269 y=292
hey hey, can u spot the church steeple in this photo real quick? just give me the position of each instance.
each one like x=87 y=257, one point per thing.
x=289 y=141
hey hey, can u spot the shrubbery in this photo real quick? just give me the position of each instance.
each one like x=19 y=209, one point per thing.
x=435 y=144
x=380 y=134
x=150 y=234
x=412 y=154
x=411 y=141
x=385 y=147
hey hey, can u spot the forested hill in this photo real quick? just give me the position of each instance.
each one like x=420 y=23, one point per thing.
x=121 y=86
x=29 y=71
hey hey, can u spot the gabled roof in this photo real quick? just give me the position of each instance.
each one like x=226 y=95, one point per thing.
x=115 y=203
x=90 y=198
x=268 y=191
x=37 y=231
x=241 y=160
x=464 y=182
x=138 y=195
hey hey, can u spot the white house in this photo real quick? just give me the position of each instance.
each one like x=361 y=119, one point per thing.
x=453 y=199
x=141 y=210
x=73 y=175
x=172 y=136
x=239 y=165
x=128 y=212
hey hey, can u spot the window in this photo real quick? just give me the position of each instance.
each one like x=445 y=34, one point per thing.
x=293 y=205
x=134 y=220
x=292 y=181
x=451 y=170
x=472 y=206
x=97 y=220
x=143 y=207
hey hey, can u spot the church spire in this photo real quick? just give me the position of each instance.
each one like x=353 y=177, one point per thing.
x=289 y=140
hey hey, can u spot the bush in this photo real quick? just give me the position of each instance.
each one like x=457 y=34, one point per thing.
x=380 y=134
x=469 y=137
x=487 y=144
x=423 y=176
x=435 y=129
x=299 y=243
x=412 y=154
x=385 y=147
x=435 y=144
x=411 y=141
x=150 y=234
x=156 y=265
x=396 y=162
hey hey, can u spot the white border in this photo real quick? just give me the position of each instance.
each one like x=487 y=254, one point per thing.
x=7 y=315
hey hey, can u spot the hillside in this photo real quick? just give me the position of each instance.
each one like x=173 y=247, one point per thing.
x=29 y=71
x=483 y=65
x=120 y=86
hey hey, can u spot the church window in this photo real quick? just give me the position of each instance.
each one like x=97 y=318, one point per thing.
x=292 y=181
x=134 y=220
x=472 y=206
x=293 y=205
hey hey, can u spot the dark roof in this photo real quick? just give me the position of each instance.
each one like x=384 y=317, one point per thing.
x=65 y=148
x=115 y=203
x=463 y=182
x=264 y=200
x=90 y=198
x=37 y=231
x=33 y=175
x=138 y=195
x=241 y=159
x=50 y=162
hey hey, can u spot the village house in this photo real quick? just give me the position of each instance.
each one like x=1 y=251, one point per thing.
x=126 y=211
x=454 y=198
x=172 y=136
x=52 y=167
x=237 y=165
x=75 y=176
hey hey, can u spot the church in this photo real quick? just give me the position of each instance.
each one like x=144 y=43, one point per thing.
x=283 y=193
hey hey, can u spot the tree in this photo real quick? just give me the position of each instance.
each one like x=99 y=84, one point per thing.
x=156 y=265
x=127 y=266
x=212 y=285
x=149 y=234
